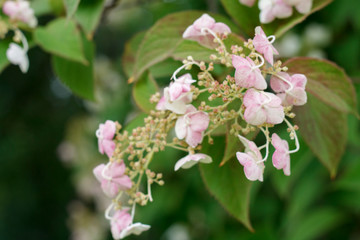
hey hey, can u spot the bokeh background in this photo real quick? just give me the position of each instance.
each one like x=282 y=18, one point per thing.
x=48 y=147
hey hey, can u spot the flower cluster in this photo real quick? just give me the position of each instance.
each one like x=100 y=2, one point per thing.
x=244 y=101
x=271 y=9
x=18 y=11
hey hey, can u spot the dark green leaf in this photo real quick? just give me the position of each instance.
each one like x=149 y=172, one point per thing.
x=4 y=45
x=324 y=129
x=136 y=122
x=61 y=37
x=78 y=77
x=88 y=15
x=143 y=90
x=228 y=183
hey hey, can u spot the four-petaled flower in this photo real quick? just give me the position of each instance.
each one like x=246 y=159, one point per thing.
x=112 y=178
x=18 y=56
x=262 y=107
x=179 y=86
x=248 y=3
x=251 y=159
x=303 y=6
x=202 y=31
x=271 y=9
x=191 y=159
x=105 y=135
x=281 y=156
x=119 y=222
x=293 y=94
x=264 y=46
x=20 y=11
x=192 y=125
x=247 y=75
x=135 y=228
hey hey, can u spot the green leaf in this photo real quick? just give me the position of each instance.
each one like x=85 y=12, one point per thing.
x=316 y=223
x=128 y=58
x=191 y=48
x=233 y=145
x=89 y=14
x=4 y=45
x=248 y=18
x=167 y=33
x=61 y=37
x=143 y=90
x=71 y=7
x=327 y=82
x=228 y=183
x=324 y=129
x=78 y=77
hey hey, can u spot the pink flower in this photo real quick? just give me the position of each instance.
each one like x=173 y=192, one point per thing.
x=262 y=107
x=248 y=3
x=290 y=95
x=192 y=125
x=179 y=86
x=247 y=75
x=105 y=134
x=281 y=157
x=191 y=159
x=200 y=31
x=161 y=104
x=271 y=9
x=178 y=105
x=119 y=222
x=303 y=6
x=112 y=178
x=264 y=46
x=251 y=159
x=20 y=10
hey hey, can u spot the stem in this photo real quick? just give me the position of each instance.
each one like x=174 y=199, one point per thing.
x=181 y=68
x=203 y=30
x=266 y=145
x=262 y=61
x=297 y=144
x=108 y=210
x=271 y=39
x=105 y=169
x=285 y=80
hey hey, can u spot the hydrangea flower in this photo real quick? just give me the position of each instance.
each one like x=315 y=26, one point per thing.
x=247 y=75
x=178 y=105
x=179 y=86
x=112 y=178
x=119 y=222
x=20 y=11
x=105 y=135
x=248 y=3
x=191 y=159
x=271 y=9
x=281 y=156
x=264 y=46
x=293 y=94
x=18 y=56
x=303 y=6
x=262 y=107
x=251 y=159
x=201 y=29
x=135 y=228
x=192 y=125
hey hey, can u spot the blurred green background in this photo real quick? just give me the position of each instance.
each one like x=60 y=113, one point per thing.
x=48 y=147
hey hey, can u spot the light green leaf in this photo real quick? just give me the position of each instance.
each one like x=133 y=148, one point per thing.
x=228 y=183
x=71 y=7
x=327 y=82
x=78 y=77
x=61 y=37
x=89 y=14
x=143 y=90
x=4 y=45
x=167 y=33
x=128 y=58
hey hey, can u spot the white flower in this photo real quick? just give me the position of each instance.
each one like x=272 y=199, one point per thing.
x=18 y=56
x=135 y=228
